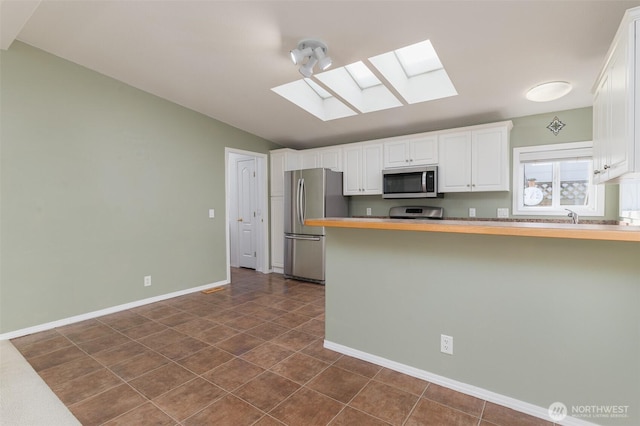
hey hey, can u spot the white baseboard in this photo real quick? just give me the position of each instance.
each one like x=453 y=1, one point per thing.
x=106 y=311
x=277 y=270
x=515 y=404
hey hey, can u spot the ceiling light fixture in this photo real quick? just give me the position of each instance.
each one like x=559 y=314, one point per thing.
x=315 y=52
x=549 y=91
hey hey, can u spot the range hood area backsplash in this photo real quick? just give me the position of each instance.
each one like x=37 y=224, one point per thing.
x=456 y=206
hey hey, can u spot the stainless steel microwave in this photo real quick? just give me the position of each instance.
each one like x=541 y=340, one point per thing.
x=410 y=182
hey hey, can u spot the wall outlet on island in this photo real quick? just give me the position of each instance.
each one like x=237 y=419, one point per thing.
x=472 y=212
x=503 y=213
x=368 y=211
x=446 y=344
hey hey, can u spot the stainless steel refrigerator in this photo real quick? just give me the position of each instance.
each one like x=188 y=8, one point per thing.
x=309 y=193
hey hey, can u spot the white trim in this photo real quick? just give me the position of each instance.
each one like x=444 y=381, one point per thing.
x=107 y=311
x=496 y=398
x=560 y=150
x=554 y=152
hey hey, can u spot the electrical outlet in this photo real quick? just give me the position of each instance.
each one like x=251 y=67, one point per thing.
x=212 y=213
x=446 y=344
x=472 y=212
x=503 y=213
x=368 y=211
x=147 y=280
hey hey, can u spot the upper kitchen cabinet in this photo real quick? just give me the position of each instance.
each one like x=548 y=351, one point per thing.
x=415 y=150
x=362 y=169
x=328 y=158
x=281 y=161
x=309 y=159
x=474 y=159
x=616 y=108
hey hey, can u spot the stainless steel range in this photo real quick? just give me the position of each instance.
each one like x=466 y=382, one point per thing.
x=416 y=212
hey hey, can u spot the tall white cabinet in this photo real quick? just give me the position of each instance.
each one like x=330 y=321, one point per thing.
x=281 y=160
x=474 y=159
x=616 y=107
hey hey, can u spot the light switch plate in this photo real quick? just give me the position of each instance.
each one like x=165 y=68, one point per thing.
x=212 y=213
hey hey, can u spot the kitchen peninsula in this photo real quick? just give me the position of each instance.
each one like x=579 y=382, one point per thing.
x=539 y=313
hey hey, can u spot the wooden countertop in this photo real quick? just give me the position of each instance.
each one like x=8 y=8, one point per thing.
x=520 y=229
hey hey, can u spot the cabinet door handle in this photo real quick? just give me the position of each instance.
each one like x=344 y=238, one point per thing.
x=606 y=166
x=596 y=172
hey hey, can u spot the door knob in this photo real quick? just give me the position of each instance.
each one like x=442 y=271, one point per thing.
x=240 y=220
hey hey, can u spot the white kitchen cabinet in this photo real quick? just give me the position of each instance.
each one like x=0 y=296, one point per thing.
x=616 y=112
x=416 y=150
x=454 y=168
x=309 y=159
x=475 y=159
x=330 y=158
x=281 y=161
x=362 y=171
x=277 y=234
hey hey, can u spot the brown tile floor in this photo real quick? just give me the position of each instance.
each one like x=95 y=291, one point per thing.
x=251 y=354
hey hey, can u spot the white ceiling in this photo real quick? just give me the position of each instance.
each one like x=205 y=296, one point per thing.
x=221 y=58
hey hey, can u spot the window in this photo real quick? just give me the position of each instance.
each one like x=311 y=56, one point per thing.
x=548 y=179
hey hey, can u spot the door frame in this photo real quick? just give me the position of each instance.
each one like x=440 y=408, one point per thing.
x=262 y=205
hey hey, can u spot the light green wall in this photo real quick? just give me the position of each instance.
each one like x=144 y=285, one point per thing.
x=539 y=320
x=527 y=131
x=101 y=185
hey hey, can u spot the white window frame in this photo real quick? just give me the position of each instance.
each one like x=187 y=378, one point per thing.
x=550 y=153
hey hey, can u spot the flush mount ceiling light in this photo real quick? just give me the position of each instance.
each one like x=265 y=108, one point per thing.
x=314 y=52
x=549 y=91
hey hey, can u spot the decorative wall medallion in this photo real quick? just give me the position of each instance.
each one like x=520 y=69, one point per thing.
x=555 y=126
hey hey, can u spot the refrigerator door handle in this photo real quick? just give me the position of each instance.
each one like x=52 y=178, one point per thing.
x=298 y=200
x=303 y=202
x=298 y=237
x=299 y=191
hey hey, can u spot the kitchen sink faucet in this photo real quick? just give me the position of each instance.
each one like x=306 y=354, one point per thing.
x=573 y=215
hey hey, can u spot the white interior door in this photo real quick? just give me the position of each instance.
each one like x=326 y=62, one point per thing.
x=246 y=173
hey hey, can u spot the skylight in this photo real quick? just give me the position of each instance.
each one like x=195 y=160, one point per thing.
x=418 y=58
x=415 y=72
x=311 y=97
x=357 y=85
x=318 y=89
x=362 y=75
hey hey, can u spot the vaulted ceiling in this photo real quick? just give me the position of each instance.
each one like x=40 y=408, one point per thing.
x=221 y=58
